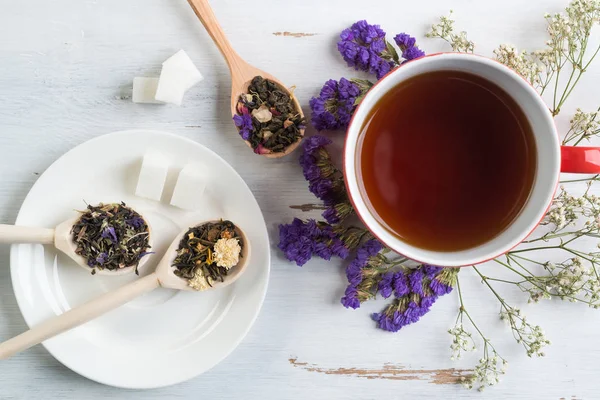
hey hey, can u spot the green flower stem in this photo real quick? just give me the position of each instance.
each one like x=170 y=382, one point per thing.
x=512 y=256
x=463 y=311
x=593 y=178
x=515 y=330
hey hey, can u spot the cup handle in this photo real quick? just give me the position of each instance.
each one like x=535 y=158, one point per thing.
x=581 y=160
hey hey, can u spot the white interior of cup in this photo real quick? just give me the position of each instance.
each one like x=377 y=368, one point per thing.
x=546 y=139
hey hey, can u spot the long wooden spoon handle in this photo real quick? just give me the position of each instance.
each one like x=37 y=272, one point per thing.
x=78 y=316
x=208 y=19
x=25 y=234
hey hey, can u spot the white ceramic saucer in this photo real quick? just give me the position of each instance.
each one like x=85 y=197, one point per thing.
x=165 y=337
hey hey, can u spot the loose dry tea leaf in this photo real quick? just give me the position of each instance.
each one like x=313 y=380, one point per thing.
x=198 y=257
x=111 y=236
x=268 y=118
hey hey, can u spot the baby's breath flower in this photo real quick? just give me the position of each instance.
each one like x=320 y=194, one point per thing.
x=583 y=126
x=462 y=341
x=522 y=63
x=487 y=372
x=564 y=211
x=530 y=336
x=445 y=30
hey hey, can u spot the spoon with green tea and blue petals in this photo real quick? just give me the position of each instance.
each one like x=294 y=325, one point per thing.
x=208 y=256
x=108 y=239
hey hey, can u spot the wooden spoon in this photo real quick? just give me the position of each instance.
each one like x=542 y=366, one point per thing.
x=162 y=276
x=242 y=73
x=62 y=239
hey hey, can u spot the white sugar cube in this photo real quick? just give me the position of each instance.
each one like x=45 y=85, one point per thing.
x=144 y=90
x=190 y=188
x=178 y=75
x=188 y=73
x=153 y=175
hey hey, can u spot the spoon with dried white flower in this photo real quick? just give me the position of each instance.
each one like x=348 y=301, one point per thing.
x=207 y=256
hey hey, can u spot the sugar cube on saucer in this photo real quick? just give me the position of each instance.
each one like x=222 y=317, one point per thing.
x=153 y=175
x=190 y=188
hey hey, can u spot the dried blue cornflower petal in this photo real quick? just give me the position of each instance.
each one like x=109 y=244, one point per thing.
x=109 y=233
x=244 y=122
x=136 y=222
x=101 y=258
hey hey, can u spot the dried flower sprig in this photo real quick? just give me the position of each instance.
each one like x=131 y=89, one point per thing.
x=530 y=336
x=566 y=51
x=584 y=126
x=445 y=30
x=487 y=372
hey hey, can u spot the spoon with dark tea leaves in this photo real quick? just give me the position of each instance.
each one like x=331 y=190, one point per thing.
x=291 y=129
x=84 y=238
x=164 y=276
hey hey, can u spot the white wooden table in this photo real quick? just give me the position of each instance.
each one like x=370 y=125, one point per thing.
x=66 y=69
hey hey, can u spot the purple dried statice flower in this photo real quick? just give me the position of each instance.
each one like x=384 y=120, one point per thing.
x=439 y=288
x=350 y=300
x=335 y=243
x=296 y=241
x=109 y=233
x=443 y=281
x=244 y=123
x=335 y=105
x=319 y=171
x=338 y=212
x=300 y=240
x=400 y=284
x=364 y=47
x=408 y=46
x=403 y=311
x=385 y=285
x=314 y=143
x=415 y=281
x=354 y=270
x=416 y=291
x=323 y=189
x=431 y=271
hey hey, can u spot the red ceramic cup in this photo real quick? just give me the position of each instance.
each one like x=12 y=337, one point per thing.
x=552 y=159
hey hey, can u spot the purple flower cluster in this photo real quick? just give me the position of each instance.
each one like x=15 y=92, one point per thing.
x=415 y=291
x=354 y=272
x=336 y=213
x=335 y=105
x=300 y=240
x=319 y=185
x=407 y=45
x=363 y=46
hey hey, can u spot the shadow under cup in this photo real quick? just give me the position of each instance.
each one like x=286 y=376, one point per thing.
x=462 y=232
